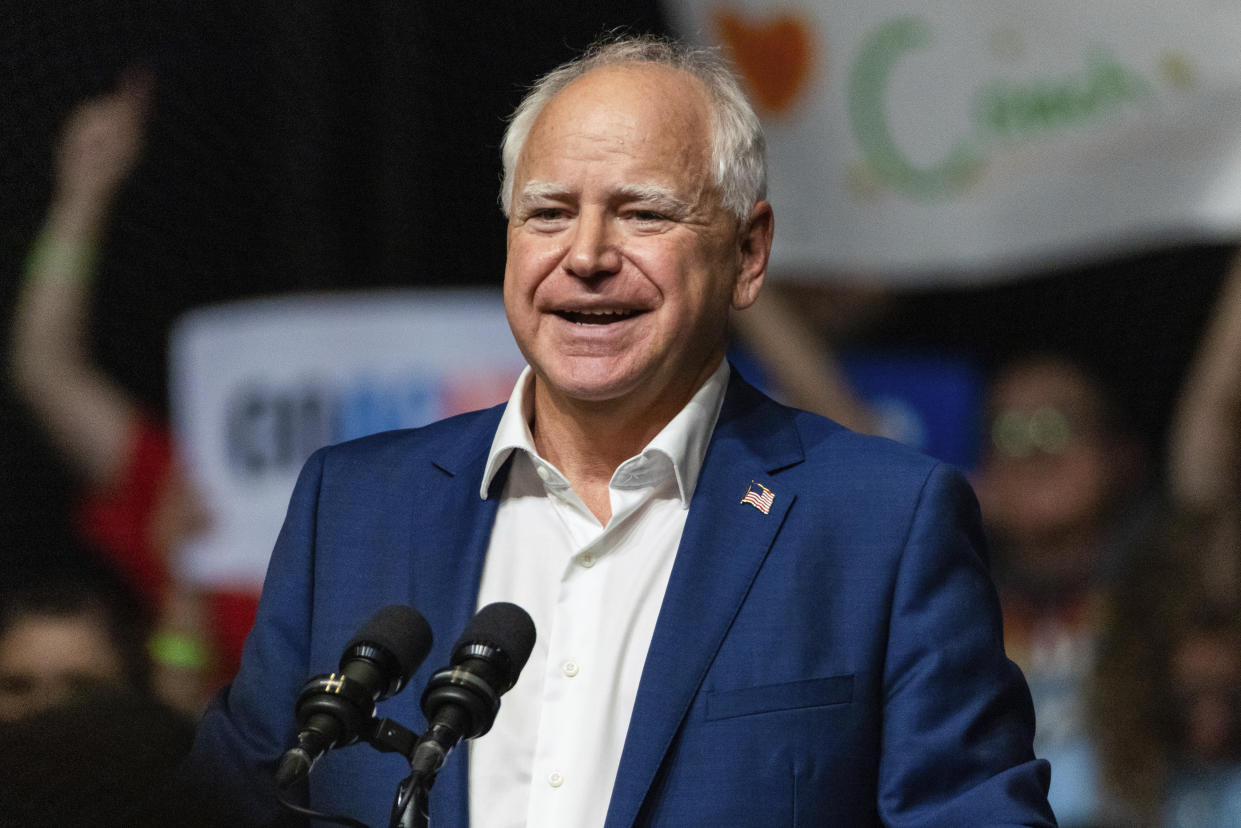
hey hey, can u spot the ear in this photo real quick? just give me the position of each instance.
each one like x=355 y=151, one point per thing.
x=754 y=242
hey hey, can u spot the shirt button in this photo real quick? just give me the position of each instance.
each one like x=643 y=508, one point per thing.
x=555 y=779
x=570 y=668
x=587 y=560
x=544 y=474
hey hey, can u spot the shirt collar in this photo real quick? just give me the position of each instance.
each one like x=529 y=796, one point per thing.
x=683 y=441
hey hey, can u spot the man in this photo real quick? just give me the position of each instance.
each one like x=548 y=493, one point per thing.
x=746 y=615
x=66 y=630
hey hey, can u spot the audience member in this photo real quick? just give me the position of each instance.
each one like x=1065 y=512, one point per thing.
x=1165 y=700
x=138 y=505
x=108 y=758
x=66 y=631
x=83 y=738
x=1057 y=475
x=1204 y=445
x=1204 y=669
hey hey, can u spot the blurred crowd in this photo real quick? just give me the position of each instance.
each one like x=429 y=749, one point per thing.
x=1117 y=558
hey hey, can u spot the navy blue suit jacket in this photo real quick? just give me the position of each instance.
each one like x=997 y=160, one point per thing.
x=837 y=661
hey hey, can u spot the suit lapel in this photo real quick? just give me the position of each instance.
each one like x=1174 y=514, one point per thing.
x=453 y=537
x=722 y=549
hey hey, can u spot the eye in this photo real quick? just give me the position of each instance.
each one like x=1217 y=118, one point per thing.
x=548 y=219
x=16 y=685
x=647 y=216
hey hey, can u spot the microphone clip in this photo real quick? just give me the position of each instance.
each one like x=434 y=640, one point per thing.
x=334 y=710
x=344 y=700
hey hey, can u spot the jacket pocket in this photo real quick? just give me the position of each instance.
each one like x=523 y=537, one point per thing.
x=768 y=698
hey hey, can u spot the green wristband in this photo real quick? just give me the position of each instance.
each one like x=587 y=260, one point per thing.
x=171 y=649
x=54 y=259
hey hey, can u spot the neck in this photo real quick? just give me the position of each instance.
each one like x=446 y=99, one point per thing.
x=588 y=439
x=587 y=444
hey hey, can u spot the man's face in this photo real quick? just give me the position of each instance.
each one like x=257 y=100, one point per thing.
x=622 y=264
x=1050 y=468
x=46 y=659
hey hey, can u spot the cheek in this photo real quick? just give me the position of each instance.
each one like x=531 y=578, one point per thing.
x=522 y=279
x=684 y=274
x=529 y=261
x=1085 y=479
x=517 y=307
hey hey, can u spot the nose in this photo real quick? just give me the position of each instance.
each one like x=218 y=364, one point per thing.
x=593 y=248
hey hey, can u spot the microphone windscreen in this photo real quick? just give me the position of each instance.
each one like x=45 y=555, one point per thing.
x=399 y=630
x=506 y=627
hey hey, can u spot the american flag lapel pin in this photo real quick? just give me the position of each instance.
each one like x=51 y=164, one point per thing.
x=759 y=496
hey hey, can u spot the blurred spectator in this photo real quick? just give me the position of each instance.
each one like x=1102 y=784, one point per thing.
x=1204 y=679
x=1166 y=703
x=1057 y=486
x=1059 y=469
x=1166 y=697
x=1204 y=445
x=64 y=632
x=83 y=740
x=104 y=759
x=138 y=506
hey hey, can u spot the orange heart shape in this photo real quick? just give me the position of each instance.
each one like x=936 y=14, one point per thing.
x=774 y=56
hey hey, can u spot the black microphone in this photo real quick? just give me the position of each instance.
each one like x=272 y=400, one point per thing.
x=333 y=709
x=461 y=700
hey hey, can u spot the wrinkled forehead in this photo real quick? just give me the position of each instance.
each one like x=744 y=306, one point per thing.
x=646 y=107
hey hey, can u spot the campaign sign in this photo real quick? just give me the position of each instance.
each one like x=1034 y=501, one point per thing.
x=257 y=386
x=958 y=141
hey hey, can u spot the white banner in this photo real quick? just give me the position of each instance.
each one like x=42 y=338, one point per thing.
x=964 y=139
x=257 y=386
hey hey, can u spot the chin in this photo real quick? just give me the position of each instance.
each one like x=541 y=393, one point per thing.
x=593 y=386
x=594 y=392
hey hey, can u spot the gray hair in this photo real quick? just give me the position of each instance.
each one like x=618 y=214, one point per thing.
x=738 y=148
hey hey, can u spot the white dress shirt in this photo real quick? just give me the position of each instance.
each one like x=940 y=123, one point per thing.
x=594 y=593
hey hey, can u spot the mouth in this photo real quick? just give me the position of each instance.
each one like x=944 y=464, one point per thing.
x=596 y=317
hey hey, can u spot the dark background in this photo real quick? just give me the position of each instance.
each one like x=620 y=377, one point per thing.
x=316 y=145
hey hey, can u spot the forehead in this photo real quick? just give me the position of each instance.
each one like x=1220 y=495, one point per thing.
x=639 y=113
x=1046 y=382
x=46 y=643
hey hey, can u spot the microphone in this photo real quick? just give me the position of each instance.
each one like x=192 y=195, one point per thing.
x=461 y=700
x=333 y=709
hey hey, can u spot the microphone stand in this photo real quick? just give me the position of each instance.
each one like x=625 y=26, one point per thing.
x=426 y=757
x=385 y=736
x=412 y=808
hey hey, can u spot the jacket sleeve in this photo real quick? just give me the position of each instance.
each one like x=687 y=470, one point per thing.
x=250 y=723
x=958 y=723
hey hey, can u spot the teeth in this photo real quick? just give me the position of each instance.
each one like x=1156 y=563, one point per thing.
x=591 y=317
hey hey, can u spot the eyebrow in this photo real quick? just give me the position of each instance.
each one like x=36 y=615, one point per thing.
x=658 y=197
x=538 y=191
